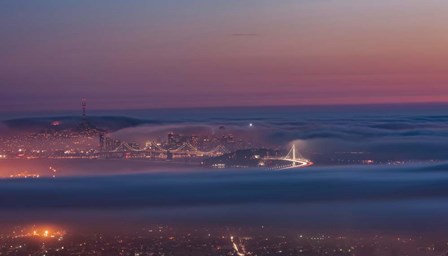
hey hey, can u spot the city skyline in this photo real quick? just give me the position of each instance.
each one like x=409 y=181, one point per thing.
x=175 y=54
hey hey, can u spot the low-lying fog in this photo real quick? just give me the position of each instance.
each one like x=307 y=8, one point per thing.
x=413 y=197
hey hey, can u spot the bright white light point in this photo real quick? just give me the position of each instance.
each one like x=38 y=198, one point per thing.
x=251 y=124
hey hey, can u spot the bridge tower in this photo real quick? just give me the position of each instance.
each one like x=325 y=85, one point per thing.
x=294 y=155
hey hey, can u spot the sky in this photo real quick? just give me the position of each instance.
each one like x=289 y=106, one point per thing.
x=201 y=53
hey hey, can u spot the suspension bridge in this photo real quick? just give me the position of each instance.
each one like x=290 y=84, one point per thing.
x=185 y=148
x=295 y=159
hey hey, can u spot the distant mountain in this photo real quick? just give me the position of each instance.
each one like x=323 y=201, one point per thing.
x=109 y=123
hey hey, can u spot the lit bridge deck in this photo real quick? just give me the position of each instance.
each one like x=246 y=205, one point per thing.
x=296 y=160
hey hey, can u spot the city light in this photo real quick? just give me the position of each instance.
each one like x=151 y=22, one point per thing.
x=44 y=232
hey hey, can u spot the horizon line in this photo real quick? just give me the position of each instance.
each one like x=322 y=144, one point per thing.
x=391 y=104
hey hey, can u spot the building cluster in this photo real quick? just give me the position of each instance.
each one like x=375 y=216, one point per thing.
x=53 y=142
x=71 y=146
x=175 y=145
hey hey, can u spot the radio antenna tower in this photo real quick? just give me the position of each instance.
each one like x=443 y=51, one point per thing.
x=84 y=106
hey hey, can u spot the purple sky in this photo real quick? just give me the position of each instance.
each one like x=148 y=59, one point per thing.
x=197 y=53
